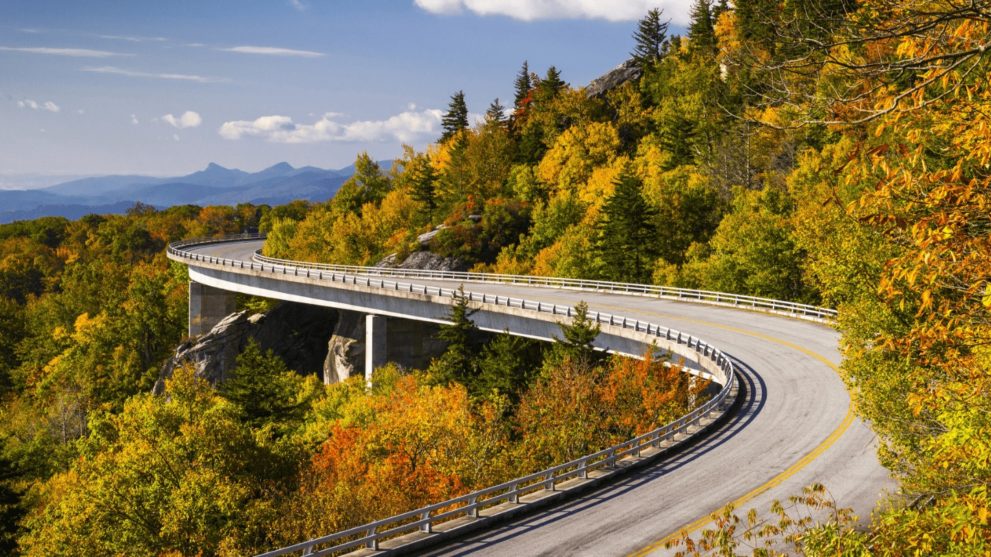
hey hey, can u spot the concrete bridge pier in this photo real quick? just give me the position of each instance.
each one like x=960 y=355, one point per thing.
x=208 y=306
x=376 y=354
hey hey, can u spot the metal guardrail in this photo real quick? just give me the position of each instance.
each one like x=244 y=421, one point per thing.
x=426 y=518
x=804 y=311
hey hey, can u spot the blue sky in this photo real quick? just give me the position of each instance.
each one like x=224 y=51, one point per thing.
x=103 y=86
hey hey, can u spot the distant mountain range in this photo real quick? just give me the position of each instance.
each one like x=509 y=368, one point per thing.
x=214 y=185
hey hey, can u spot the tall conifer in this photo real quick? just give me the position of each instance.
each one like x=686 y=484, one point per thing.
x=651 y=38
x=625 y=241
x=456 y=118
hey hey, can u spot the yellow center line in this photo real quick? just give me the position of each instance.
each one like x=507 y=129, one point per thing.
x=777 y=480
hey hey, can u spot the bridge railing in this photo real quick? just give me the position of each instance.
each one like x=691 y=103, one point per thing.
x=804 y=311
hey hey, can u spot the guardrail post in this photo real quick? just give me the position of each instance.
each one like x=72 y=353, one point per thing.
x=373 y=543
x=425 y=527
x=473 y=503
x=514 y=496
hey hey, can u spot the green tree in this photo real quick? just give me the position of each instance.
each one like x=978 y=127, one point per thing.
x=368 y=184
x=496 y=113
x=422 y=180
x=626 y=233
x=651 y=38
x=551 y=85
x=701 y=32
x=464 y=343
x=456 y=118
x=262 y=386
x=522 y=86
x=576 y=345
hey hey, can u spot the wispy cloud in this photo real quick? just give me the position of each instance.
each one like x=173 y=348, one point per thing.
x=73 y=52
x=188 y=119
x=114 y=70
x=299 y=5
x=133 y=39
x=48 y=106
x=404 y=127
x=273 y=51
x=134 y=119
x=526 y=10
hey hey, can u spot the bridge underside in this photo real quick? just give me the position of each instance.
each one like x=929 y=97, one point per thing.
x=374 y=303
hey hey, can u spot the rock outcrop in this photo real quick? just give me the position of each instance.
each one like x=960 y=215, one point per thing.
x=346 y=348
x=627 y=71
x=426 y=260
x=297 y=333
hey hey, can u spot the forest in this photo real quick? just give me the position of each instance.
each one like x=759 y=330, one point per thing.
x=823 y=151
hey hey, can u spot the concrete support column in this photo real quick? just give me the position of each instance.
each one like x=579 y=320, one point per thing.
x=375 y=345
x=207 y=307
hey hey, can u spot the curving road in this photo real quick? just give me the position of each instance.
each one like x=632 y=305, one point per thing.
x=795 y=427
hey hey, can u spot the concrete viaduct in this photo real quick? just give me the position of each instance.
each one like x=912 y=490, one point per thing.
x=791 y=424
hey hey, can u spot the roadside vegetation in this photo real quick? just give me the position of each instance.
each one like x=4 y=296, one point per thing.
x=826 y=152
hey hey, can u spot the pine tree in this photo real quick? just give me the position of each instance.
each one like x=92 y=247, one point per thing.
x=550 y=85
x=651 y=38
x=496 y=114
x=456 y=118
x=576 y=345
x=422 y=180
x=262 y=386
x=522 y=86
x=701 y=32
x=464 y=343
x=625 y=241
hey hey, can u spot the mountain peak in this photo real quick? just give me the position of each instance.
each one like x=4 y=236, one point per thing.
x=214 y=166
x=281 y=167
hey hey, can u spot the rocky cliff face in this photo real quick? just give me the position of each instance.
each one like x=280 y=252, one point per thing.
x=297 y=333
x=627 y=71
x=424 y=260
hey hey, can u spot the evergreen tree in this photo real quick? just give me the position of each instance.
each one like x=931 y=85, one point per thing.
x=677 y=137
x=496 y=113
x=522 y=86
x=464 y=343
x=625 y=241
x=651 y=38
x=505 y=366
x=456 y=118
x=422 y=180
x=701 y=32
x=550 y=85
x=576 y=345
x=262 y=386
x=11 y=508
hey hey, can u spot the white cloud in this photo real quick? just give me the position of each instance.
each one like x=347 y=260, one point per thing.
x=530 y=10
x=299 y=5
x=114 y=70
x=80 y=111
x=133 y=39
x=134 y=119
x=73 y=52
x=274 y=51
x=403 y=127
x=36 y=105
x=175 y=136
x=189 y=119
